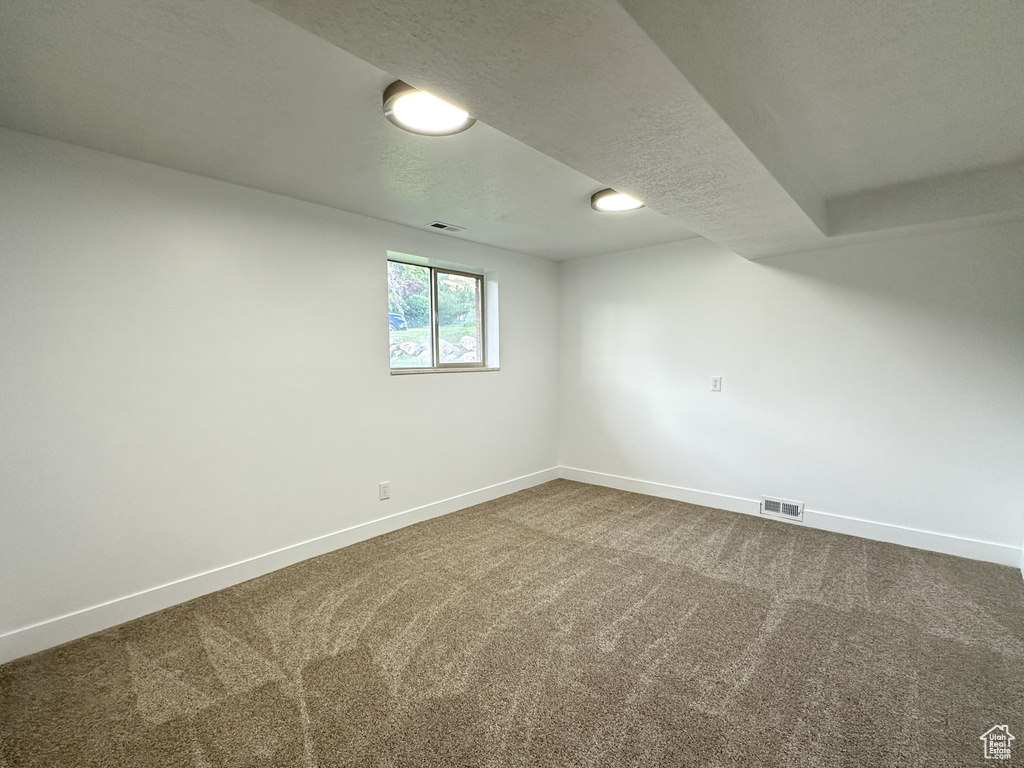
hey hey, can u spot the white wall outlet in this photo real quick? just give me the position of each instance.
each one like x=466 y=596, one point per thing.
x=716 y=383
x=385 y=490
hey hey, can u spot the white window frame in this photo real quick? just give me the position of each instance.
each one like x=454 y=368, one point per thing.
x=487 y=311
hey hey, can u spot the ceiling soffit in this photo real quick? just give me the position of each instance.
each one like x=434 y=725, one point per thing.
x=660 y=100
x=898 y=116
x=582 y=83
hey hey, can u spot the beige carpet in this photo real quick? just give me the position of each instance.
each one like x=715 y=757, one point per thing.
x=566 y=625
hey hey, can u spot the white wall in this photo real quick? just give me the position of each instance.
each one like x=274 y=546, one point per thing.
x=195 y=373
x=881 y=382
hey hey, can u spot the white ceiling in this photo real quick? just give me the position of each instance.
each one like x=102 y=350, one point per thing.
x=765 y=127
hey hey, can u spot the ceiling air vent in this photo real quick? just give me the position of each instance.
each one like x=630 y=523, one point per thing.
x=787 y=510
x=445 y=227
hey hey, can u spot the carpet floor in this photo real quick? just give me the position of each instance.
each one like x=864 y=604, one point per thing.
x=565 y=625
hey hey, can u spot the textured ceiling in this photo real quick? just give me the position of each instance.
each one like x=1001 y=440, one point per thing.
x=871 y=93
x=765 y=127
x=582 y=83
x=228 y=90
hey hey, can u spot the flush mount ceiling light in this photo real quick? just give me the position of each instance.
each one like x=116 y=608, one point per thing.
x=419 y=112
x=610 y=201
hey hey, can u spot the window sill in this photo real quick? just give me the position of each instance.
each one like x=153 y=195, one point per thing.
x=413 y=371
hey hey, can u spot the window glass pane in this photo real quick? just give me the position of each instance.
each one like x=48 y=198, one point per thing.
x=409 y=316
x=460 y=332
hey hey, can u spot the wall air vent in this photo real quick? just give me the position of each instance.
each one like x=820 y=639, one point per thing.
x=445 y=227
x=787 y=510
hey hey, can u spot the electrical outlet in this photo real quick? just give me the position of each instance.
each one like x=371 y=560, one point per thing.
x=716 y=383
x=385 y=490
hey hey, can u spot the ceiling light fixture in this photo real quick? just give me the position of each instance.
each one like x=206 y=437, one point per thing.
x=419 y=112
x=610 y=201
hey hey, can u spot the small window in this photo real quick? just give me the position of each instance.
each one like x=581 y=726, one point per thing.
x=436 y=317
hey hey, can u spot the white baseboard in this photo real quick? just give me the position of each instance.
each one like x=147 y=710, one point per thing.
x=47 y=634
x=988 y=551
